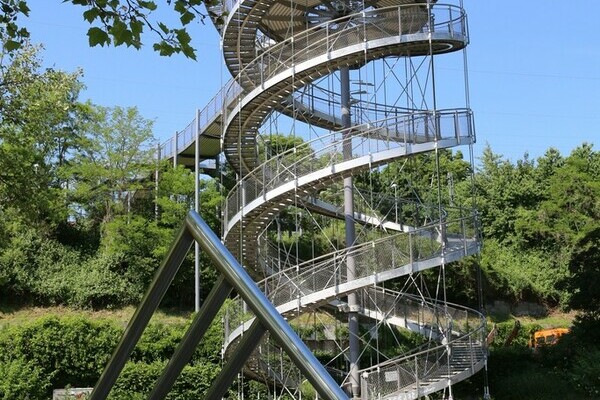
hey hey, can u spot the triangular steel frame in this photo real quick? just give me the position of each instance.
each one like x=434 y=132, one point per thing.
x=233 y=276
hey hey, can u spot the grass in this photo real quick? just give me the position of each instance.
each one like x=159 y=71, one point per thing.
x=19 y=315
x=554 y=319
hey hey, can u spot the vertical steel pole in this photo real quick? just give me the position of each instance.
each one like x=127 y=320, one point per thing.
x=197 y=209
x=350 y=235
x=175 y=149
x=156 y=177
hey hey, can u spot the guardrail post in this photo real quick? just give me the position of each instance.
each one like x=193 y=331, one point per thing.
x=364 y=390
x=175 y=140
x=156 y=177
x=471 y=354
x=410 y=251
x=400 y=23
x=456 y=125
x=438 y=126
x=417 y=376
x=451 y=21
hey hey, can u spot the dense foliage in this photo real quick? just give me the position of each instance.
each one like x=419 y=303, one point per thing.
x=56 y=352
x=81 y=221
x=83 y=224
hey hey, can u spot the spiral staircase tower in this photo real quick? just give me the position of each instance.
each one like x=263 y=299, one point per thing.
x=355 y=86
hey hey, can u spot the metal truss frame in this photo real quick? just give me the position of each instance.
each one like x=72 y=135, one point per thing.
x=233 y=276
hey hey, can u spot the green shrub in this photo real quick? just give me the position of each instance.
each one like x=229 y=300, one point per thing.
x=41 y=269
x=21 y=378
x=97 y=285
x=585 y=372
x=56 y=352
x=70 y=351
x=158 y=343
x=137 y=380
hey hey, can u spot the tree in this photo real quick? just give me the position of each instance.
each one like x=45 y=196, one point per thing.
x=119 y=22
x=39 y=124
x=11 y=35
x=417 y=176
x=568 y=205
x=584 y=268
x=175 y=195
x=114 y=164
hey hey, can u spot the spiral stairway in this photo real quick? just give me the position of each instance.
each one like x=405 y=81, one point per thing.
x=279 y=53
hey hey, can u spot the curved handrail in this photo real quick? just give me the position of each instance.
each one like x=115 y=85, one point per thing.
x=370 y=138
x=457 y=332
x=268 y=78
x=403 y=374
x=329 y=36
x=226 y=97
x=394 y=255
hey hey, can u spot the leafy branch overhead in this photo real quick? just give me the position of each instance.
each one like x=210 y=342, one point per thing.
x=122 y=22
x=11 y=34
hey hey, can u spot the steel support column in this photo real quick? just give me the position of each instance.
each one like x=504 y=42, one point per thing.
x=265 y=312
x=187 y=346
x=139 y=321
x=197 y=209
x=236 y=362
x=350 y=236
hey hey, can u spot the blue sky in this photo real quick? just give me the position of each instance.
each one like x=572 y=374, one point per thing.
x=534 y=69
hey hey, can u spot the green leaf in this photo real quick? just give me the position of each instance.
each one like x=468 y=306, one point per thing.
x=183 y=37
x=90 y=15
x=23 y=32
x=11 y=45
x=163 y=27
x=121 y=34
x=180 y=7
x=97 y=36
x=164 y=49
x=149 y=5
x=189 y=52
x=23 y=9
x=136 y=27
x=187 y=17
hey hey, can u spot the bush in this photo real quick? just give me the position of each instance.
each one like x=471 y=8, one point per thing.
x=69 y=351
x=96 y=284
x=19 y=377
x=42 y=270
x=585 y=372
x=137 y=380
x=56 y=352
x=158 y=343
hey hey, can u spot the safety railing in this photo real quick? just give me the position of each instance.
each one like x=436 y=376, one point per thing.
x=456 y=345
x=463 y=351
x=323 y=153
x=403 y=24
x=205 y=117
x=400 y=253
x=270 y=63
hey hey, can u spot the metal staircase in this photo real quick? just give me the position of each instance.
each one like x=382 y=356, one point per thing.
x=278 y=53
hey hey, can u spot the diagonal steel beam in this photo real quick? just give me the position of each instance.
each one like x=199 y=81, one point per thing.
x=162 y=280
x=265 y=312
x=236 y=362
x=233 y=275
x=195 y=333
